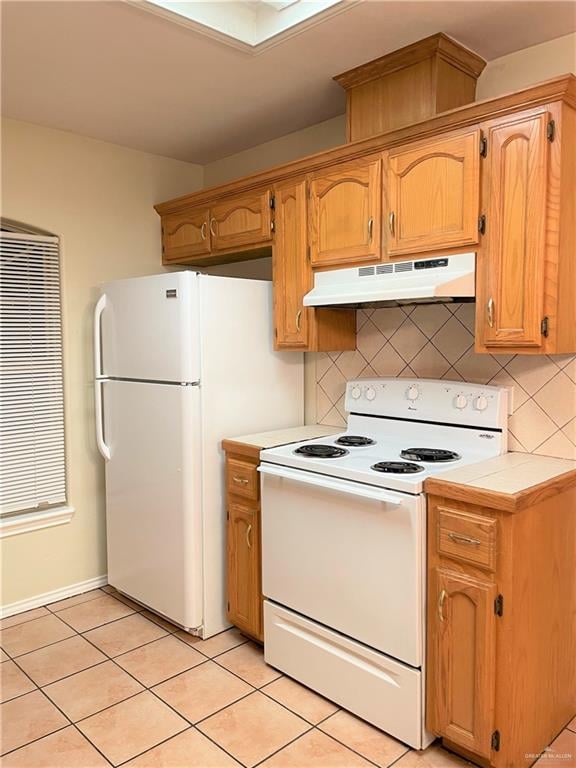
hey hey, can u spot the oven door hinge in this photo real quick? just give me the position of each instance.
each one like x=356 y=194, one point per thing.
x=482 y=224
x=551 y=131
x=495 y=741
x=544 y=327
x=483 y=147
x=499 y=605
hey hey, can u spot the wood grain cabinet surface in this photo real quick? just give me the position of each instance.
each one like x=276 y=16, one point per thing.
x=297 y=327
x=245 y=220
x=243 y=547
x=345 y=216
x=185 y=235
x=433 y=192
x=501 y=626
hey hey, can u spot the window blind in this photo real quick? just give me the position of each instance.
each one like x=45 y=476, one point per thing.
x=32 y=456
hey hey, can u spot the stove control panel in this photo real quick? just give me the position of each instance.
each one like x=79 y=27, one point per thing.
x=446 y=402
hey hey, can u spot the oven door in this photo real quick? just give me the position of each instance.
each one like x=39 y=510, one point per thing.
x=347 y=555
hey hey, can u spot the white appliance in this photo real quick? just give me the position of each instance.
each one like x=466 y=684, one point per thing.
x=344 y=542
x=182 y=360
x=424 y=280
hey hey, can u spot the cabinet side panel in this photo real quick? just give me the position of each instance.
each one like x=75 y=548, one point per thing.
x=566 y=318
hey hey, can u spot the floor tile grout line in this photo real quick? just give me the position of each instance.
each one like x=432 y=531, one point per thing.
x=33 y=741
x=82 y=602
x=71 y=674
x=26 y=621
x=104 y=623
x=48 y=645
x=372 y=762
x=160 y=743
x=284 y=746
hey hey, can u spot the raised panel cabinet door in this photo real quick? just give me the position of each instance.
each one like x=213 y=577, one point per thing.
x=244 y=569
x=241 y=221
x=345 y=214
x=511 y=274
x=185 y=234
x=292 y=275
x=461 y=653
x=433 y=192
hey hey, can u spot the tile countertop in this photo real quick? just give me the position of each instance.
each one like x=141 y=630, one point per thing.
x=510 y=482
x=277 y=437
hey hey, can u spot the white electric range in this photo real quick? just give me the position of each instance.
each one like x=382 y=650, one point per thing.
x=343 y=542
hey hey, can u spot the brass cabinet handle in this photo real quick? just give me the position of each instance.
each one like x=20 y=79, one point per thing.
x=458 y=538
x=298 y=319
x=212 y=226
x=203 y=230
x=490 y=312
x=441 y=599
x=370 y=228
x=240 y=480
x=391 y=222
x=248 y=532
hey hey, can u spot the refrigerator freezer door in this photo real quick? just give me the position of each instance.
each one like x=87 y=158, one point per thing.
x=153 y=496
x=149 y=329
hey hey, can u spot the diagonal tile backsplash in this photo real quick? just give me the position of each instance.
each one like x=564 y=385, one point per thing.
x=436 y=341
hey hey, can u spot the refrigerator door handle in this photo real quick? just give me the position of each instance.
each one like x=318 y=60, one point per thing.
x=102 y=447
x=99 y=309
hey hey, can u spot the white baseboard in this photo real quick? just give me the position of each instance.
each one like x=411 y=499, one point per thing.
x=51 y=597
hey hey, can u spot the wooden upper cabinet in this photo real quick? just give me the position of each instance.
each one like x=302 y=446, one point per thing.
x=185 y=234
x=345 y=213
x=241 y=221
x=244 y=568
x=461 y=651
x=512 y=267
x=433 y=193
x=291 y=269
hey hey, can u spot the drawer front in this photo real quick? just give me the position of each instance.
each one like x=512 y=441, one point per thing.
x=369 y=684
x=242 y=479
x=471 y=538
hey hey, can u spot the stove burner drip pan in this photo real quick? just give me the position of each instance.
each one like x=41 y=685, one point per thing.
x=397 y=467
x=433 y=455
x=355 y=441
x=320 y=451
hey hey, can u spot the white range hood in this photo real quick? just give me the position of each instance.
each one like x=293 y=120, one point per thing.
x=402 y=282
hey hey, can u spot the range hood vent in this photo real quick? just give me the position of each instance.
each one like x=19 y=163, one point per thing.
x=448 y=278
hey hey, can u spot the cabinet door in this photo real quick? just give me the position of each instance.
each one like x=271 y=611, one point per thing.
x=241 y=221
x=244 y=569
x=291 y=269
x=433 y=192
x=345 y=213
x=461 y=650
x=511 y=270
x=185 y=235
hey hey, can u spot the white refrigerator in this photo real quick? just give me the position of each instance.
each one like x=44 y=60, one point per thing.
x=182 y=360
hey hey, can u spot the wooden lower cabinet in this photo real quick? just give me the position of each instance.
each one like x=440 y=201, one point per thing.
x=243 y=537
x=501 y=626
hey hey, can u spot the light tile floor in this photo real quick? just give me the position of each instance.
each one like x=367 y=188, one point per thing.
x=95 y=681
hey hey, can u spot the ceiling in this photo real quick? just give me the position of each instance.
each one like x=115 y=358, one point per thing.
x=113 y=71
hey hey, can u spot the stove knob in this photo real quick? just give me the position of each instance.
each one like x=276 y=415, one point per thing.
x=370 y=393
x=480 y=404
x=355 y=392
x=460 y=402
x=412 y=393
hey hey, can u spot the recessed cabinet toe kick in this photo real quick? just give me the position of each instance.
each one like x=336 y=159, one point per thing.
x=343 y=544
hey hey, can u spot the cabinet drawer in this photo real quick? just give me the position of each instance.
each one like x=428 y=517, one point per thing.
x=242 y=479
x=471 y=538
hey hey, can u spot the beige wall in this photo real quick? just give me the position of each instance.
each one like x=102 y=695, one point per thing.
x=528 y=66
x=97 y=198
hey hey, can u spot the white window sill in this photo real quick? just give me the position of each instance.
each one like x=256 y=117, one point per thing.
x=34 y=521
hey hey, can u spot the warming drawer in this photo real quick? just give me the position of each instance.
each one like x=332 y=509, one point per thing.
x=373 y=686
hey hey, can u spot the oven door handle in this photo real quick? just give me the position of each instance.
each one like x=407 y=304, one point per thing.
x=330 y=483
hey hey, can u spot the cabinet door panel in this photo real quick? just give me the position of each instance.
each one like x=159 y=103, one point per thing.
x=244 y=577
x=511 y=285
x=433 y=193
x=345 y=213
x=185 y=234
x=461 y=649
x=241 y=221
x=291 y=269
